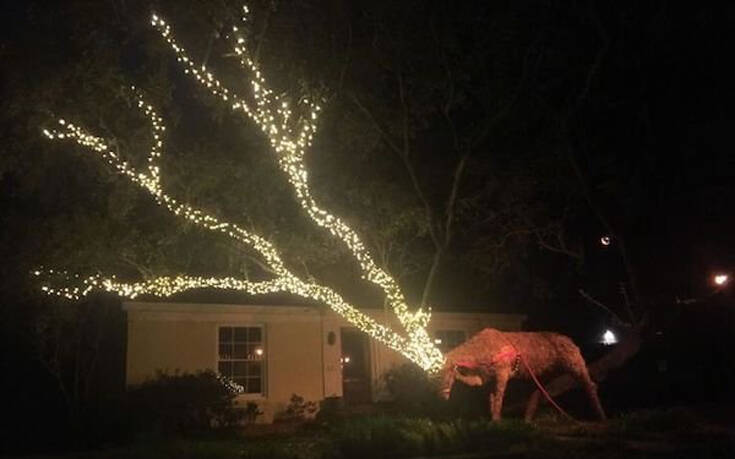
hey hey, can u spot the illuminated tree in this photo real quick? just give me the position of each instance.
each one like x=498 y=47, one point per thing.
x=289 y=132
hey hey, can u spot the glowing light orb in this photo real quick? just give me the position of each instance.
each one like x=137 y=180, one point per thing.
x=609 y=338
x=605 y=240
x=721 y=279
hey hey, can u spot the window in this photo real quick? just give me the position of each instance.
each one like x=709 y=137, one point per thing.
x=446 y=340
x=242 y=357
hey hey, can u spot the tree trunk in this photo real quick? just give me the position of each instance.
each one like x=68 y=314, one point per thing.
x=626 y=349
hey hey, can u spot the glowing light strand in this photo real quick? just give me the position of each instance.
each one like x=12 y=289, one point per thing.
x=290 y=149
x=418 y=347
x=167 y=286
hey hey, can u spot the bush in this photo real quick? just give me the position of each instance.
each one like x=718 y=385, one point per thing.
x=331 y=409
x=184 y=404
x=413 y=392
x=384 y=436
x=297 y=410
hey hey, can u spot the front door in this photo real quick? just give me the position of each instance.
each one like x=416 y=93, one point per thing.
x=355 y=366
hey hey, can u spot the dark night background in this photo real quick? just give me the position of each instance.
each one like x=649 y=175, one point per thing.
x=574 y=120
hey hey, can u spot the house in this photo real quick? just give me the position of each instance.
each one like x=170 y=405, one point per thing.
x=277 y=351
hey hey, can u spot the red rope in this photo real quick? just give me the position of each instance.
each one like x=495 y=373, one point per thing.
x=539 y=385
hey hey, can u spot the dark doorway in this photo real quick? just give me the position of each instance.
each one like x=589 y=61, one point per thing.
x=355 y=366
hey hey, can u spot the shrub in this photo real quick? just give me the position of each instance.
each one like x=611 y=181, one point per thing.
x=251 y=412
x=184 y=404
x=412 y=391
x=385 y=436
x=331 y=409
x=297 y=410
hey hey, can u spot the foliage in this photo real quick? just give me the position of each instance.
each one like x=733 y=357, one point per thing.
x=298 y=410
x=412 y=391
x=401 y=437
x=384 y=436
x=331 y=409
x=251 y=412
x=185 y=403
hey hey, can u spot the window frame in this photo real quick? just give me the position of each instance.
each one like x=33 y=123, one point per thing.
x=264 y=361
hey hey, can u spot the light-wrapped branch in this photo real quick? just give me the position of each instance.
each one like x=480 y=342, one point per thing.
x=285 y=282
x=290 y=141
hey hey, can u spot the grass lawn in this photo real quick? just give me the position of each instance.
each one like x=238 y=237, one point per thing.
x=700 y=433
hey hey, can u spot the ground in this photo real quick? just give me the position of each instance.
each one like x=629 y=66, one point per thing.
x=700 y=432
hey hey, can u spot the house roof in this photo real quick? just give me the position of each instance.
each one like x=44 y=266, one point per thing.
x=286 y=309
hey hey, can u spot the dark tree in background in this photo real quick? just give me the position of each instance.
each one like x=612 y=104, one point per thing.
x=482 y=149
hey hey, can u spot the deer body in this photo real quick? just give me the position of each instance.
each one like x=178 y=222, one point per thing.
x=493 y=355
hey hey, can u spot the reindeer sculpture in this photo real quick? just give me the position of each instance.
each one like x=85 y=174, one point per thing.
x=500 y=356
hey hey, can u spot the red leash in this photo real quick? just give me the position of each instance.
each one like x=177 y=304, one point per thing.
x=539 y=385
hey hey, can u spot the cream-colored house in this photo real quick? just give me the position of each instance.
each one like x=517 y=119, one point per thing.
x=277 y=351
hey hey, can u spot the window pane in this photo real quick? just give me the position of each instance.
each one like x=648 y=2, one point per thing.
x=241 y=334
x=241 y=381
x=255 y=335
x=258 y=352
x=225 y=368
x=253 y=386
x=252 y=354
x=225 y=334
x=255 y=369
x=239 y=369
x=240 y=351
x=225 y=351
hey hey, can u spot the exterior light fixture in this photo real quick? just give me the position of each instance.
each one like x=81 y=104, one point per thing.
x=721 y=279
x=609 y=338
x=259 y=352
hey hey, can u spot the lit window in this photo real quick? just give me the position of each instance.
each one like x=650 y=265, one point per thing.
x=446 y=340
x=242 y=357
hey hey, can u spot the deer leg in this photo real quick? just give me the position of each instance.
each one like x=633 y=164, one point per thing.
x=591 y=388
x=496 y=396
x=532 y=405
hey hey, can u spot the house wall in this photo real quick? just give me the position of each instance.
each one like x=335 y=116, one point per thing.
x=165 y=337
x=184 y=338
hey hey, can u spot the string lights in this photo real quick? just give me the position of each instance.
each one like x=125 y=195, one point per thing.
x=289 y=139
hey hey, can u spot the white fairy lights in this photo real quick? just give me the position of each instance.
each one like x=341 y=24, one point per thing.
x=289 y=138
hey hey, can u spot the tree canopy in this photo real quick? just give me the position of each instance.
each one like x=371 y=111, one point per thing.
x=550 y=109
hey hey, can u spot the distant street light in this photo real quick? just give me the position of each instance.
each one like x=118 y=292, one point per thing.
x=609 y=338
x=721 y=279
